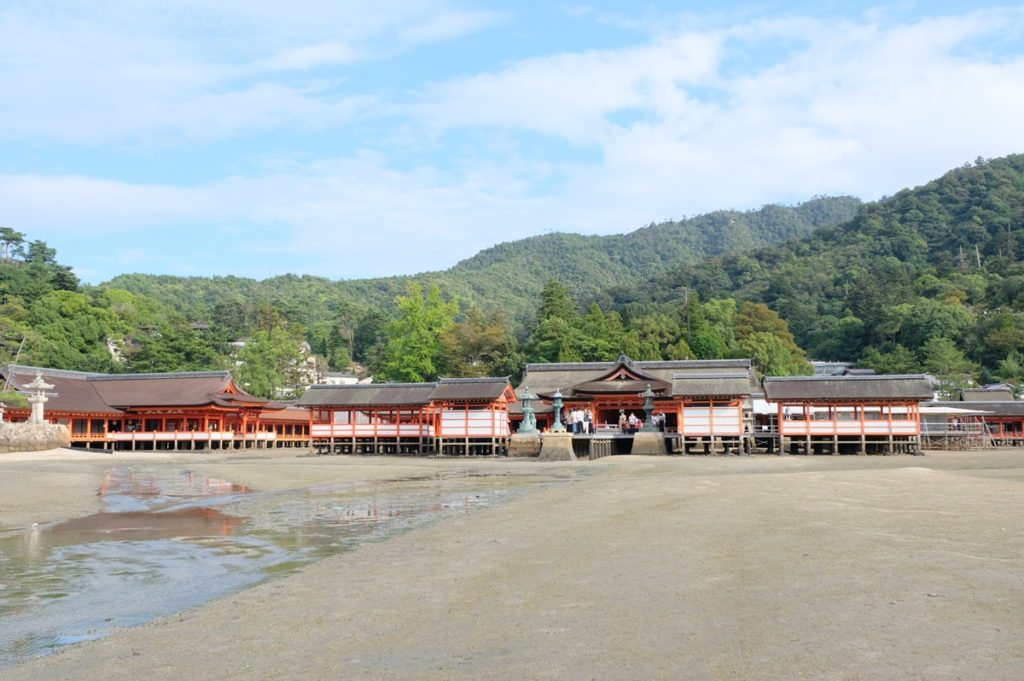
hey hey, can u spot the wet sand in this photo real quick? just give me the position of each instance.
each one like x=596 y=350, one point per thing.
x=698 y=568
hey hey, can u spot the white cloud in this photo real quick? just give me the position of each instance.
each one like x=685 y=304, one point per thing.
x=733 y=116
x=854 y=107
x=129 y=74
x=66 y=204
x=311 y=56
x=571 y=95
x=447 y=25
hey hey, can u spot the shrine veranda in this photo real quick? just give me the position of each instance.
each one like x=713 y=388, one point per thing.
x=702 y=407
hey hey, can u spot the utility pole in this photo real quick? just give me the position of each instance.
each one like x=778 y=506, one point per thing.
x=686 y=302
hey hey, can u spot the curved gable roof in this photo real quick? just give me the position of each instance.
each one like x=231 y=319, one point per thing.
x=545 y=379
x=182 y=389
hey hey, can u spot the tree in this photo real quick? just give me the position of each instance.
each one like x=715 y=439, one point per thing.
x=773 y=356
x=70 y=332
x=928 y=319
x=947 y=363
x=600 y=335
x=480 y=345
x=720 y=315
x=554 y=340
x=368 y=340
x=271 y=362
x=898 y=360
x=11 y=244
x=764 y=336
x=759 y=318
x=1011 y=370
x=414 y=352
x=176 y=347
x=556 y=301
x=656 y=335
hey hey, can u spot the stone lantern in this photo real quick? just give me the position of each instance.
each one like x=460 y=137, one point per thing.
x=38 y=399
x=557 y=427
x=648 y=396
x=529 y=424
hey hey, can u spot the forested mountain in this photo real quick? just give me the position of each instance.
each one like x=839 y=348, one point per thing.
x=906 y=285
x=930 y=279
x=507 y=277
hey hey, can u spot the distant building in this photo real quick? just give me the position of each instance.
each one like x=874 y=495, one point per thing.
x=339 y=378
x=839 y=369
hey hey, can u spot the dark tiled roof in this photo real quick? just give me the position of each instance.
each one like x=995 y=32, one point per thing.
x=368 y=394
x=711 y=385
x=405 y=394
x=79 y=391
x=993 y=408
x=186 y=389
x=545 y=379
x=621 y=386
x=72 y=390
x=470 y=389
x=285 y=413
x=848 y=388
x=986 y=395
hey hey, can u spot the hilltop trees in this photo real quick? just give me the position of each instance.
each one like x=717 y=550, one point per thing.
x=480 y=344
x=414 y=351
x=894 y=285
x=676 y=329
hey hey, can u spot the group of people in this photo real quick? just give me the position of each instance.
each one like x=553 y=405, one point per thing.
x=578 y=421
x=581 y=421
x=631 y=423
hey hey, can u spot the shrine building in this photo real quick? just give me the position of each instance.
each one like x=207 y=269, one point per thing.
x=848 y=414
x=1000 y=417
x=705 y=404
x=447 y=417
x=183 y=410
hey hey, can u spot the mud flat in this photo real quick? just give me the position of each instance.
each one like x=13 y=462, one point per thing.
x=722 y=568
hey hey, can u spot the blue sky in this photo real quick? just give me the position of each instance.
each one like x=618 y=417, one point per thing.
x=354 y=139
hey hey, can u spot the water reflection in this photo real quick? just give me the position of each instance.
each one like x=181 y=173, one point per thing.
x=165 y=541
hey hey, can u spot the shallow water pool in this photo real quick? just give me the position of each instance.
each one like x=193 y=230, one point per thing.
x=167 y=540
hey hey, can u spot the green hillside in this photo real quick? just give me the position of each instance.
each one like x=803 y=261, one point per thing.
x=507 y=277
x=940 y=262
x=930 y=279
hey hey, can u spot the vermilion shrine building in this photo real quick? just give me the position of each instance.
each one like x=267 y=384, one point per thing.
x=451 y=416
x=185 y=410
x=706 y=403
x=709 y=406
x=856 y=414
x=1000 y=417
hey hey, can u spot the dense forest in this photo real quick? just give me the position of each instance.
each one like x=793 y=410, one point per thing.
x=930 y=279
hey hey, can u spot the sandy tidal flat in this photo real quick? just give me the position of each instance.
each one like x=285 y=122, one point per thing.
x=722 y=568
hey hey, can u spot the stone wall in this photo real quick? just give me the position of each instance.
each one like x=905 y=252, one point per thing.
x=24 y=437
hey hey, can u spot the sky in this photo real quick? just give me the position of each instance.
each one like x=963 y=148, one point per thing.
x=356 y=139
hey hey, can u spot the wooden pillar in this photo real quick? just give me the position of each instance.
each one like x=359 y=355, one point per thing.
x=807 y=429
